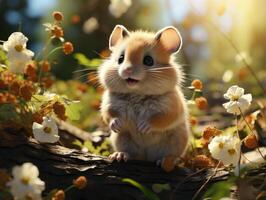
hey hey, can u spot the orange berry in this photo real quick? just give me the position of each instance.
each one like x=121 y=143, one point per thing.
x=8 y=77
x=209 y=132
x=37 y=117
x=26 y=91
x=58 y=16
x=30 y=70
x=10 y=98
x=242 y=73
x=202 y=161
x=251 y=141
x=59 y=110
x=2 y=98
x=45 y=66
x=95 y=104
x=59 y=195
x=3 y=85
x=15 y=87
x=197 y=84
x=204 y=143
x=75 y=19
x=68 y=48
x=80 y=182
x=168 y=164
x=201 y=103
x=193 y=121
x=46 y=82
x=105 y=53
x=58 y=32
x=82 y=87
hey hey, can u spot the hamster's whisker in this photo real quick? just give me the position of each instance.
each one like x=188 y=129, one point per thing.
x=86 y=74
x=83 y=70
x=157 y=76
x=97 y=53
x=159 y=68
x=81 y=76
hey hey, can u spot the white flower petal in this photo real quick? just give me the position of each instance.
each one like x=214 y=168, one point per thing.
x=50 y=122
x=42 y=136
x=15 y=39
x=221 y=148
x=248 y=97
x=33 y=187
x=17 y=58
x=238 y=100
x=30 y=170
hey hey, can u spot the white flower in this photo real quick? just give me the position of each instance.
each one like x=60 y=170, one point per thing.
x=238 y=100
x=118 y=7
x=90 y=25
x=47 y=132
x=26 y=182
x=50 y=96
x=225 y=148
x=17 y=53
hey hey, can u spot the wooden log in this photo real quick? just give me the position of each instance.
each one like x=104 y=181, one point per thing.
x=60 y=165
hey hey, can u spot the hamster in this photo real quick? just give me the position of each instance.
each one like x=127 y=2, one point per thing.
x=142 y=101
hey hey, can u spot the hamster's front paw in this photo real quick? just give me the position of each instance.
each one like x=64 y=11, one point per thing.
x=144 y=127
x=119 y=156
x=116 y=125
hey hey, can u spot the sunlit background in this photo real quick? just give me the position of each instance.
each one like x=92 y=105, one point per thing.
x=217 y=35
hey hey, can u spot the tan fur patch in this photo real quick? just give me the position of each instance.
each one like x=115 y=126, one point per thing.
x=163 y=120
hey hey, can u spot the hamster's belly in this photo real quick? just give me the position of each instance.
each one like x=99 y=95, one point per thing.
x=134 y=109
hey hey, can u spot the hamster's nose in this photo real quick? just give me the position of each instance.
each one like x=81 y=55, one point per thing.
x=128 y=71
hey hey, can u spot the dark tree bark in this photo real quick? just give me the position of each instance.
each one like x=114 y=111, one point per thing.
x=60 y=165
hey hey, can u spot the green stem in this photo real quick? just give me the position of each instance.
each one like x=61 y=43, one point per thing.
x=69 y=188
x=54 y=50
x=239 y=159
x=193 y=95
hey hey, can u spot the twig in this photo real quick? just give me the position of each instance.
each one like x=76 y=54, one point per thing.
x=207 y=181
x=229 y=40
x=251 y=131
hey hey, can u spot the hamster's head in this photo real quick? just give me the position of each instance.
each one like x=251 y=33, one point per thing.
x=142 y=62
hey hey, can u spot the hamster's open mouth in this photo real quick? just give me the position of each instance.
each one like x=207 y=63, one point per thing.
x=131 y=81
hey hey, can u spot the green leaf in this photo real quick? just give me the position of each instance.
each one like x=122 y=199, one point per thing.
x=219 y=190
x=77 y=143
x=147 y=193
x=160 y=187
x=73 y=110
x=82 y=59
x=85 y=61
x=8 y=112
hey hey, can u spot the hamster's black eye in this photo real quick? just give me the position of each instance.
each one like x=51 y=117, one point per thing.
x=148 y=60
x=121 y=58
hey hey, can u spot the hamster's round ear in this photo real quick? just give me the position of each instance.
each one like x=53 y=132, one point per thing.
x=170 y=39
x=117 y=34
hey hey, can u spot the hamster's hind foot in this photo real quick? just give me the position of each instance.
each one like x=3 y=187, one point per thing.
x=167 y=163
x=119 y=156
